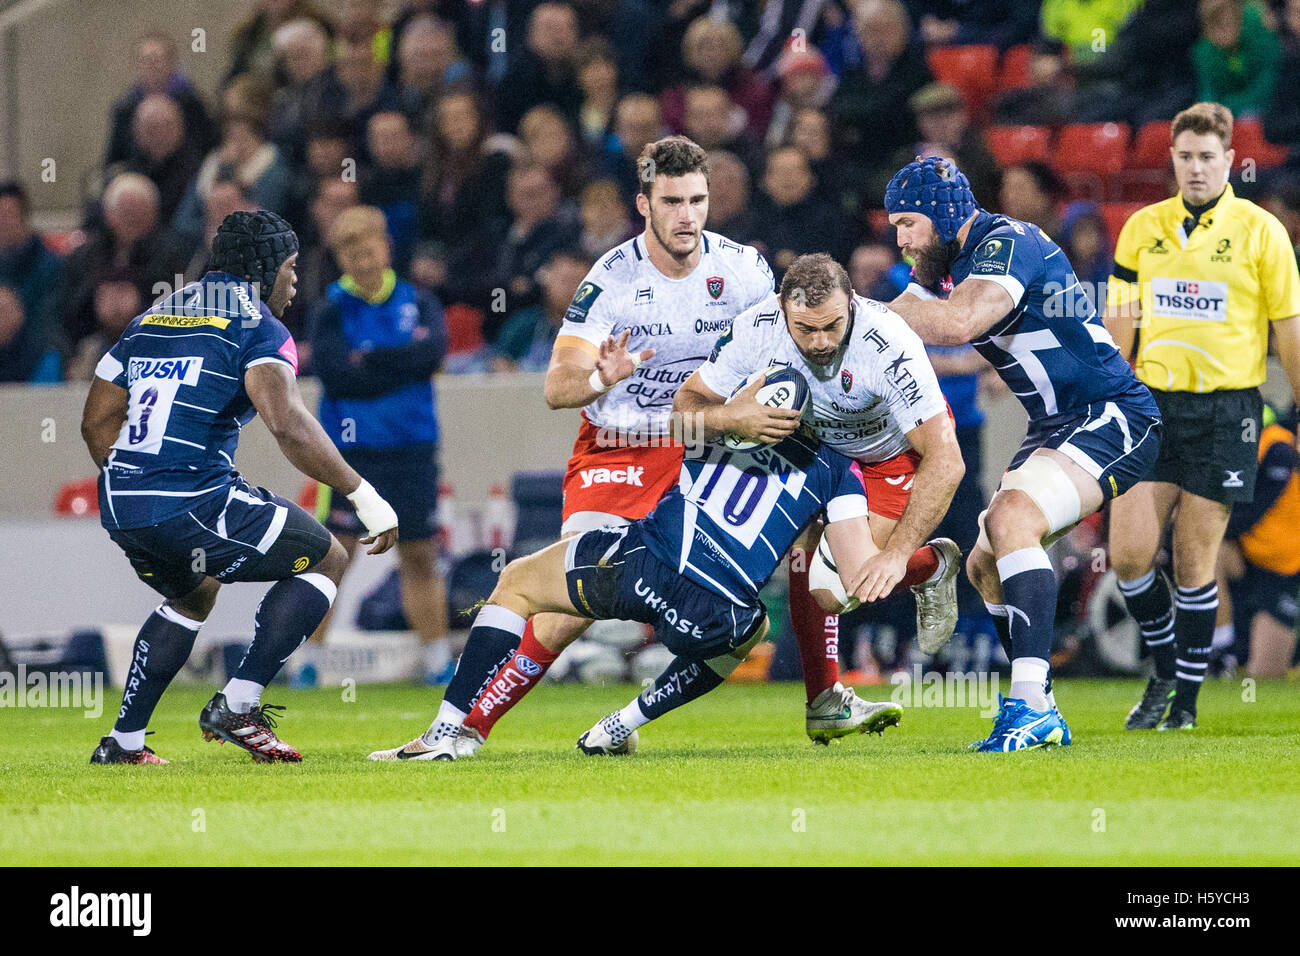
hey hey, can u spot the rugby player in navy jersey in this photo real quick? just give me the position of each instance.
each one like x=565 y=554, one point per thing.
x=692 y=568
x=162 y=422
x=1094 y=429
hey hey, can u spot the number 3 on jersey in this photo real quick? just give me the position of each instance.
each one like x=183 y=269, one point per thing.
x=740 y=490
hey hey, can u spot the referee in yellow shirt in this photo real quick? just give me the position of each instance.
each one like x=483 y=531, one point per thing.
x=1202 y=278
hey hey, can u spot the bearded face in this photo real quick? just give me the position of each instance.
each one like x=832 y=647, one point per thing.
x=932 y=261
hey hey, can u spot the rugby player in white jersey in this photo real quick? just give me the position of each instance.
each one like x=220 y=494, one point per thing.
x=642 y=321
x=875 y=399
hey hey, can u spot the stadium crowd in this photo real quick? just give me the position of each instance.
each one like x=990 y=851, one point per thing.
x=499 y=141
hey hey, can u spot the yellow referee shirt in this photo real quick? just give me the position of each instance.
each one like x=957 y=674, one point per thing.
x=1207 y=297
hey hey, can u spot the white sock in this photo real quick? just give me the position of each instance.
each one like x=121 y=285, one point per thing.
x=128 y=739
x=631 y=715
x=1028 y=677
x=436 y=657
x=448 y=722
x=242 y=695
x=1224 y=636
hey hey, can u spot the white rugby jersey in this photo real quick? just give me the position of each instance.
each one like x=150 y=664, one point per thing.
x=879 y=388
x=679 y=318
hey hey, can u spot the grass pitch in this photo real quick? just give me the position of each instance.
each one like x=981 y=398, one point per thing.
x=730 y=779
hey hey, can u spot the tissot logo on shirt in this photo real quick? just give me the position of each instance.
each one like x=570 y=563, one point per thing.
x=186 y=369
x=993 y=257
x=583 y=300
x=1194 y=299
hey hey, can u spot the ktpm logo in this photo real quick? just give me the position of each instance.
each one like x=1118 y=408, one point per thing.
x=631 y=475
x=76 y=909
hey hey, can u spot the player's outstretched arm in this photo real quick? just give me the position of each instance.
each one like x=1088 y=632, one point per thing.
x=580 y=372
x=102 y=418
x=974 y=307
x=1123 y=314
x=274 y=392
x=1286 y=338
x=707 y=416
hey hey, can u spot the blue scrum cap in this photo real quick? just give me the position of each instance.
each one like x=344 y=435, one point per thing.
x=936 y=188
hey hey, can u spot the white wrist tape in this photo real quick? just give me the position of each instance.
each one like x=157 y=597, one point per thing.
x=375 y=513
x=596 y=382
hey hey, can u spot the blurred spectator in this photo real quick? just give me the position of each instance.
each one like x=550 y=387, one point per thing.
x=875 y=272
x=605 y=218
x=811 y=135
x=598 y=77
x=244 y=157
x=711 y=52
x=729 y=212
x=1236 y=57
x=544 y=71
x=1049 y=98
x=251 y=46
x=1157 y=87
x=464 y=185
x=348 y=90
x=1031 y=192
x=392 y=181
x=1002 y=23
x=714 y=122
x=509 y=256
x=134 y=249
x=806 y=82
x=1283 y=201
x=790 y=220
x=869 y=109
x=525 y=340
x=302 y=53
x=31 y=272
x=1087 y=245
x=636 y=122
x=1087 y=28
x=1282 y=119
x=944 y=129
x=362 y=21
x=376 y=342
x=549 y=140
x=316 y=266
x=114 y=300
x=16 y=364
x=161 y=151
x=428 y=63
x=157 y=73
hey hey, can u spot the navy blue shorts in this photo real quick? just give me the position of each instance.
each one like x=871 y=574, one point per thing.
x=613 y=576
x=1117 y=442
x=248 y=534
x=407 y=478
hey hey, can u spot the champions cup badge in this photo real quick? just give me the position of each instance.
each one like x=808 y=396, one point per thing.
x=846 y=380
x=714 y=286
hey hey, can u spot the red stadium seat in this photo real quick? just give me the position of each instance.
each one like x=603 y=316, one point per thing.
x=1151 y=146
x=972 y=69
x=1092 y=147
x=1018 y=144
x=1248 y=140
x=1115 y=214
x=1015 y=67
x=464 y=328
x=77 y=499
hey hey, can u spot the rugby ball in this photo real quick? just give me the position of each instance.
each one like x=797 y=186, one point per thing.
x=785 y=388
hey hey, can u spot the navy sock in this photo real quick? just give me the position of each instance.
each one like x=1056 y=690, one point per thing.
x=1029 y=590
x=1150 y=604
x=161 y=649
x=1195 y=610
x=681 y=682
x=494 y=637
x=1002 y=625
x=287 y=616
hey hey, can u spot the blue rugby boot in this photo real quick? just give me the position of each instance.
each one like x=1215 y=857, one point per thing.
x=1020 y=727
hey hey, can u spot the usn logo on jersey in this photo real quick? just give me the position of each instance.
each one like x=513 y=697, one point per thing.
x=184 y=370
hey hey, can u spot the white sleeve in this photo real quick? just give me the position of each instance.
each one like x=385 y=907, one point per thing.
x=762 y=281
x=108 y=368
x=907 y=380
x=733 y=358
x=590 y=316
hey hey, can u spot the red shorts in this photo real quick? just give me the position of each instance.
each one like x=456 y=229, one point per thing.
x=888 y=484
x=624 y=480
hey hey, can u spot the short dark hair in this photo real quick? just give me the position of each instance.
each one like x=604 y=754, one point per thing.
x=813 y=277
x=670 y=156
x=12 y=187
